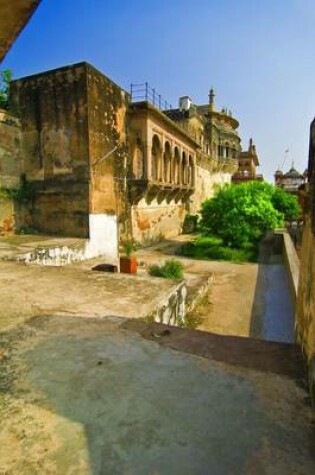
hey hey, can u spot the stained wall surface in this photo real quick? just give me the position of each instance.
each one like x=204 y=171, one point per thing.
x=52 y=108
x=108 y=159
x=10 y=169
x=305 y=323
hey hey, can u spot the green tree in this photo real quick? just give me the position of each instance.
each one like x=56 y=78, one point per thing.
x=5 y=78
x=286 y=203
x=241 y=214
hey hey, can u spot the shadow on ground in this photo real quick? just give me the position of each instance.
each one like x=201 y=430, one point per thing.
x=92 y=396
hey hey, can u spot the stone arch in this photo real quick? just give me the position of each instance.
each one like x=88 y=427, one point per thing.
x=167 y=155
x=156 y=158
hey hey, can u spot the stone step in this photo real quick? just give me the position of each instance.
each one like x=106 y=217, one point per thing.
x=249 y=353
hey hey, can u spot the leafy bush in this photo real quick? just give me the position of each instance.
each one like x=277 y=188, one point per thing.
x=286 y=203
x=171 y=269
x=241 y=214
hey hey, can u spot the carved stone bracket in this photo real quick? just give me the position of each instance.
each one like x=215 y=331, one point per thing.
x=150 y=190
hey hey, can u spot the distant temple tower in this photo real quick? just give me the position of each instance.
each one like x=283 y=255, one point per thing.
x=290 y=181
x=247 y=164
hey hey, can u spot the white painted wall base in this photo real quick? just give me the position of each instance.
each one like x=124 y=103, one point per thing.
x=103 y=236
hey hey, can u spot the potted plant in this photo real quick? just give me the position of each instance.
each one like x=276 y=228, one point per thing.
x=128 y=262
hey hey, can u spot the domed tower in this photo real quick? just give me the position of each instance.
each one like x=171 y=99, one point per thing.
x=278 y=177
x=247 y=164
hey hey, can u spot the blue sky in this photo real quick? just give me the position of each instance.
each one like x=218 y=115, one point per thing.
x=259 y=55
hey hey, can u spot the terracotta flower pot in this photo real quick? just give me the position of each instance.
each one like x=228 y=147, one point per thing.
x=128 y=265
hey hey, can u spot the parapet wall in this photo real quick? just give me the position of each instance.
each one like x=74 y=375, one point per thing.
x=292 y=265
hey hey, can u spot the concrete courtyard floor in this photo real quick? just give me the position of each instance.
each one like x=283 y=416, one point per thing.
x=86 y=390
x=108 y=396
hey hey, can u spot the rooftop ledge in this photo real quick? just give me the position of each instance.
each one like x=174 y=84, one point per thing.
x=138 y=107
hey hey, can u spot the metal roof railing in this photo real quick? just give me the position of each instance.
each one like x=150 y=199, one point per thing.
x=143 y=92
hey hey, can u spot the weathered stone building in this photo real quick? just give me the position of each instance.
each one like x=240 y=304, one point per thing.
x=106 y=167
x=73 y=125
x=218 y=144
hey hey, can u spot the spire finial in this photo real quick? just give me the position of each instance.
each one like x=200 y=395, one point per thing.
x=250 y=147
x=211 y=99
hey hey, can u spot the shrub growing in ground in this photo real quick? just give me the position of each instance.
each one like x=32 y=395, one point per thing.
x=212 y=248
x=171 y=269
x=241 y=214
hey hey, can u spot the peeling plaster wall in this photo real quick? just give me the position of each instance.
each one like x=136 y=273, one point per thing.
x=206 y=183
x=156 y=221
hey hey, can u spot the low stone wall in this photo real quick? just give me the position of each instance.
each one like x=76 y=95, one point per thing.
x=62 y=255
x=292 y=264
x=182 y=300
x=54 y=256
x=172 y=309
x=197 y=290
